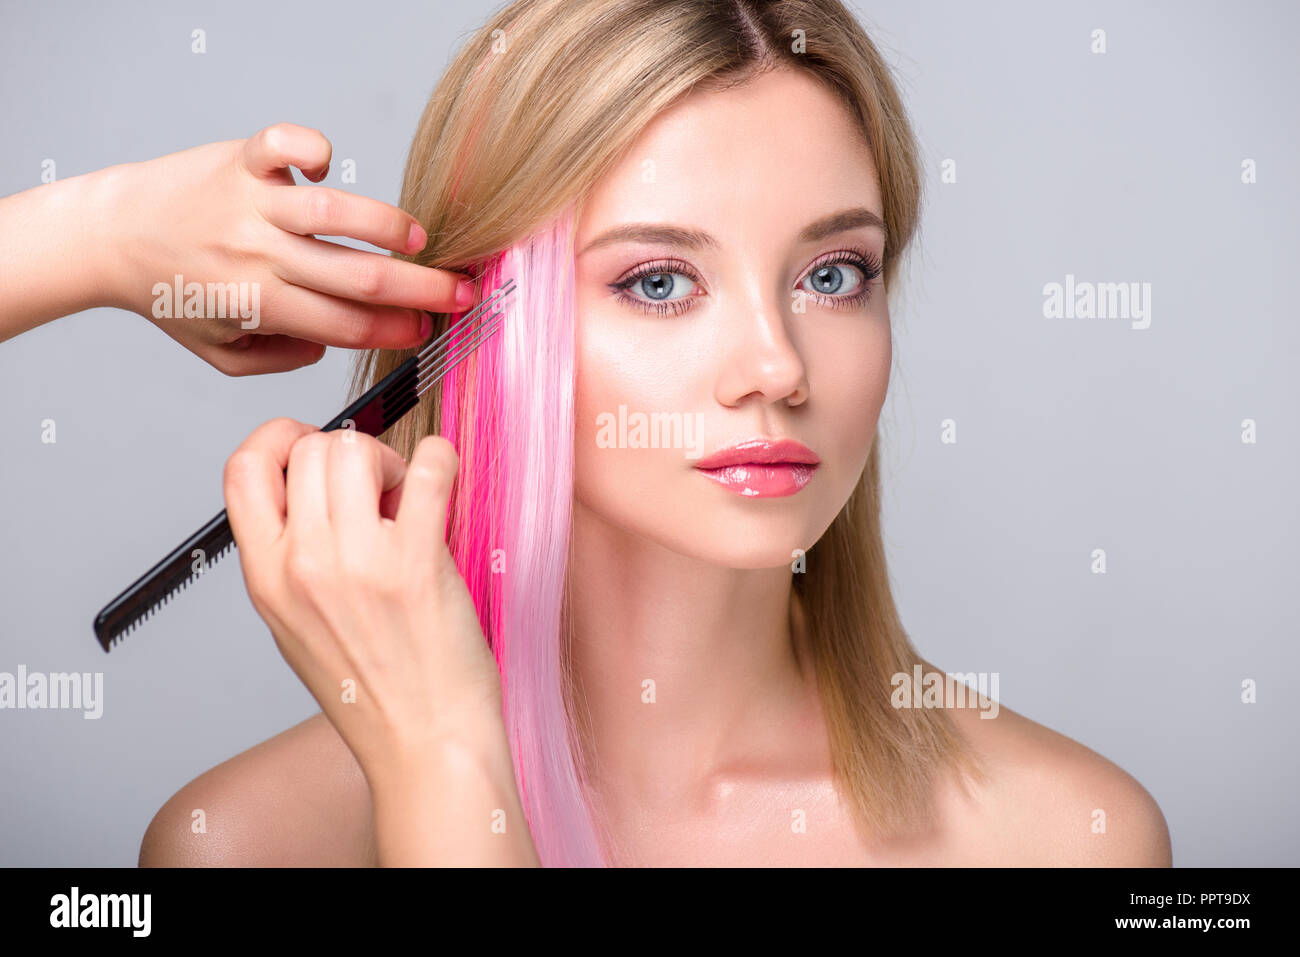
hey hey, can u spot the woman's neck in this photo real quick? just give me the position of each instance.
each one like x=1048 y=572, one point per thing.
x=686 y=670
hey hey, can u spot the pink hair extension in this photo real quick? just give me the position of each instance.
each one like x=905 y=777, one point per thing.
x=508 y=409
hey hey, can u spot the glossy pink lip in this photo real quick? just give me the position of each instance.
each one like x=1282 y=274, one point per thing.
x=765 y=451
x=761 y=468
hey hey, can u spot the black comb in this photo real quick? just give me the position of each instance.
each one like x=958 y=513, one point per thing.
x=373 y=414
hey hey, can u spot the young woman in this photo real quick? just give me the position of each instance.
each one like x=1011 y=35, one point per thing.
x=618 y=651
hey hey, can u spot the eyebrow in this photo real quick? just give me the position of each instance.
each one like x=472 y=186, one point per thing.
x=696 y=239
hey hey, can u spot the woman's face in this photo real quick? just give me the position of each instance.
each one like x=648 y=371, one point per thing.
x=728 y=290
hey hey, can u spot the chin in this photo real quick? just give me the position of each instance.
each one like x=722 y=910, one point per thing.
x=750 y=544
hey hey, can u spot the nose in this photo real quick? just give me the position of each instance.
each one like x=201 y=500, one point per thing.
x=762 y=360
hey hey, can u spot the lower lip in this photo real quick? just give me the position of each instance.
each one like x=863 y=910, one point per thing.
x=758 y=480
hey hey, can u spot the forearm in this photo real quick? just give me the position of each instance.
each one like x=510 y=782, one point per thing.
x=457 y=806
x=55 y=242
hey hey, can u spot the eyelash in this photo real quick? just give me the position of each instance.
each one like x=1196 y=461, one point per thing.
x=866 y=262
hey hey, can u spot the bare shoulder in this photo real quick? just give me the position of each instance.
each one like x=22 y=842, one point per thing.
x=1050 y=801
x=297 y=799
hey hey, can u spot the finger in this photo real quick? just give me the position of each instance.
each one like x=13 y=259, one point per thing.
x=318 y=317
x=255 y=354
x=254 y=484
x=422 y=514
x=287 y=144
x=320 y=211
x=306 y=506
x=368 y=277
x=360 y=469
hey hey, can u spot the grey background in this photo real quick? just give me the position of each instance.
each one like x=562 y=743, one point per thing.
x=1072 y=434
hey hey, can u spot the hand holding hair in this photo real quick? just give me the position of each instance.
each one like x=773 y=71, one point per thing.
x=267 y=295
x=344 y=556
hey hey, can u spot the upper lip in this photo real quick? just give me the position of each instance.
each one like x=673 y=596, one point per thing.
x=760 y=450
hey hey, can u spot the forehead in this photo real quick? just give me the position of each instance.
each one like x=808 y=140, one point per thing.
x=760 y=158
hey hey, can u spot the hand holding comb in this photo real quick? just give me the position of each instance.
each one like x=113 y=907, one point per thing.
x=373 y=414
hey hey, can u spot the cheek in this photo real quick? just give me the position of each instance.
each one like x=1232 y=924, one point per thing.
x=850 y=386
x=623 y=365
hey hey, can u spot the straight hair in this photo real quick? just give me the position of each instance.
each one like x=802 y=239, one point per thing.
x=531 y=112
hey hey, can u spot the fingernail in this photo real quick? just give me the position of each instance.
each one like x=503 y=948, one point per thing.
x=465 y=293
x=415 y=239
x=426 y=326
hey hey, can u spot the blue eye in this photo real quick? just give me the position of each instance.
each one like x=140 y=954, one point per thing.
x=657 y=282
x=830 y=280
x=659 y=286
x=841 y=288
x=664 y=286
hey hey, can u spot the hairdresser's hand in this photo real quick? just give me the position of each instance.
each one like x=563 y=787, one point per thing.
x=345 y=559
x=228 y=218
x=231 y=213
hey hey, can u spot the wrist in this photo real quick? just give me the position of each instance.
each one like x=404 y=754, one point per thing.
x=59 y=243
x=482 y=745
x=457 y=805
x=472 y=724
x=109 y=266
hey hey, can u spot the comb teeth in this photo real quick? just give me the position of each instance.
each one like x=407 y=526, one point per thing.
x=110 y=635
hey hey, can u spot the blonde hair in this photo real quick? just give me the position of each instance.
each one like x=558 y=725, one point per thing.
x=534 y=110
